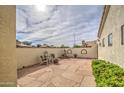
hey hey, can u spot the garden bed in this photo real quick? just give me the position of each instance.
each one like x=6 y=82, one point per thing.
x=107 y=74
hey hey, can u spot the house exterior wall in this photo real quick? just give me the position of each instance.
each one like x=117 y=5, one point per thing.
x=114 y=21
x=8 y=64
x=31 y=56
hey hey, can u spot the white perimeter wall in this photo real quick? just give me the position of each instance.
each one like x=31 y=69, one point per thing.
x=30 y=56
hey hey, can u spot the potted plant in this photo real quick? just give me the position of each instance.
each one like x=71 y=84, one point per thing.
x=75 y=55
x=62 y=55
x=56 y=61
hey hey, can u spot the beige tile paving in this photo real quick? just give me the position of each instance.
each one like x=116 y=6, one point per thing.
x=62 y=82
x=88 y=81
x=25 y=80
x=73 y=68
x=34 y=83
x=72 y=76
x=69 y=73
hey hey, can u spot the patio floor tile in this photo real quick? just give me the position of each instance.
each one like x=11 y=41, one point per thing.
x=45 y=77
x=25 y=80
x=34 y=83
x=72 y=76
x=62 y=82
x=69 y=73
x=88 y=81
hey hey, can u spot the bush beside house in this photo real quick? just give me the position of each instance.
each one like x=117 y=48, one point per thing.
x=107 y=74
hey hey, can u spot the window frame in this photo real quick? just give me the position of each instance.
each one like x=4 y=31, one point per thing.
x=122 y=36
x=103 y=42
x=109 y=44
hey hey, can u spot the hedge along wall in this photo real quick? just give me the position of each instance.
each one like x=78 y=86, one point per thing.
x=30 y=56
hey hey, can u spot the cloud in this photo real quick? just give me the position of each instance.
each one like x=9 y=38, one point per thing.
x=58 y=24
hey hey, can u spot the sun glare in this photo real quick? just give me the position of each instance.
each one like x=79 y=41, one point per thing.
x=41 y=8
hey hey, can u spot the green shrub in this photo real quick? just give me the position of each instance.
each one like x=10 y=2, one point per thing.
x=107 y=74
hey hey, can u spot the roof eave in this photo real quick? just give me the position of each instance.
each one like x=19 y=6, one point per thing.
x=104 y=17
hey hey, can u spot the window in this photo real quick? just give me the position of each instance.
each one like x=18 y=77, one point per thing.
x=110 y=39
x=122 y=35
x=103 y=42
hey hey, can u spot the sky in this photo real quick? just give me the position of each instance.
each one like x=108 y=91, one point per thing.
x=57 y=24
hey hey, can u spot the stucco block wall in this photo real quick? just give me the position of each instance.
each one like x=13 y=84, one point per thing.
x=114 y=21
x=91 y=52
x=31 y=56
x=8 y=64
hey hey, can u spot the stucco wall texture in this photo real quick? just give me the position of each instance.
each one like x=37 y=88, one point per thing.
x=31 y=56
x=114 y=21
x=8 y=64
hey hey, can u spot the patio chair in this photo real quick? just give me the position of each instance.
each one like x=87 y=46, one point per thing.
x=52 y=58
x=44 y=60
